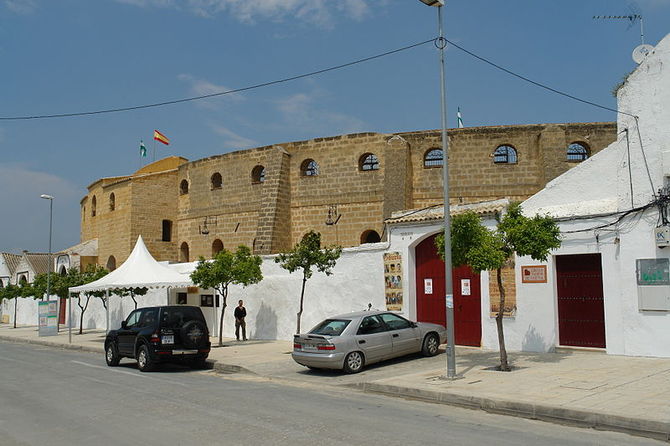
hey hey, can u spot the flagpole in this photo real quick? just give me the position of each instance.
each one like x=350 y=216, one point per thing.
x=154 y=158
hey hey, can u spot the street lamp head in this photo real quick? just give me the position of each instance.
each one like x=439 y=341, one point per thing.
x=46 y=197
x=433 y=2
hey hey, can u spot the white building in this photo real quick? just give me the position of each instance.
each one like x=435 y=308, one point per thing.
x=608 y=286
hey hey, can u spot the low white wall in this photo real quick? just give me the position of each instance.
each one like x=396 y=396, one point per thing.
x=272 y=304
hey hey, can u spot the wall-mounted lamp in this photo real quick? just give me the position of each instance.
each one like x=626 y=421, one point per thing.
x=204 y=230
x=333 y=217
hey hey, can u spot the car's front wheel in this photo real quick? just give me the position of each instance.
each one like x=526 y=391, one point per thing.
x=144 y=362
x=112 y=355
x=353 y=363
x=431 y=345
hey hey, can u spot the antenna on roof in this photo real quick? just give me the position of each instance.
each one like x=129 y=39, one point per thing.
x=633 y=17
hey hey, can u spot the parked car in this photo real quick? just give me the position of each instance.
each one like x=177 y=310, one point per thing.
x=174 y=333
x=351 y=341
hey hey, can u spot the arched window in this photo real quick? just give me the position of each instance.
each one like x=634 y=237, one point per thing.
x=111 y=263
x=217 y=181
x=23 y=280
x=504 y=154
x=94 y=205
x=167 y=231
x=63 y=271
x=577 y=152
x=258 y=174
x=183 y=252
x=368 y=162
x=112 y=201
x=309 y=168
x=370 y=236
x=433 y=158
x=183 y=187
x=217 y=247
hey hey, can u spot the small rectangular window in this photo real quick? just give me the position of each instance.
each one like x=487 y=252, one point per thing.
x=181 y=298
x=206 y=300
x=167 y=231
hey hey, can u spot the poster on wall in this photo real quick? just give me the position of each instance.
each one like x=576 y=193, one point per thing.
x=509 y=283
x=393 y=281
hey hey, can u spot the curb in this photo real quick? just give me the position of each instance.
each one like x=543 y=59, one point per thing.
x=635 y=426
x=46 y=343
x=217 y=366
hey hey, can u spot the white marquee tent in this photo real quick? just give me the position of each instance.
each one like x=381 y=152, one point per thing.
x=139 y=270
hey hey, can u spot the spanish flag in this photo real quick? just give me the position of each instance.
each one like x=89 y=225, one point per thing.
x=158 y=136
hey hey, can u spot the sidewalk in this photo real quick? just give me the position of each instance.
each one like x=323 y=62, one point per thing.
x=589 y=389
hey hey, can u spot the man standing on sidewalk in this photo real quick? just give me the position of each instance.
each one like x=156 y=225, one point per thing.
x=240 y=314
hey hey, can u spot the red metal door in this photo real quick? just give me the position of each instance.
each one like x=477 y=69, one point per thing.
x=430 y=306
x=581 y=313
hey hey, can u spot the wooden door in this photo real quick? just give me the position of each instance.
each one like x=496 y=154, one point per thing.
x=581 y=312
x=430 y=305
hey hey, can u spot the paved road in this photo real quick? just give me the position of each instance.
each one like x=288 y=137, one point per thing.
x=58 y=397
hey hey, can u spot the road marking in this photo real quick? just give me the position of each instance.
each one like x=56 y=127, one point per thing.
x=109 y=369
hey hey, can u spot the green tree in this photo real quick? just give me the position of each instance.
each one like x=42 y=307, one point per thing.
x=484 y=250
x=306 y=255
x=132 y=292
x=10 y=292
x=75 y=278
x=239 y=268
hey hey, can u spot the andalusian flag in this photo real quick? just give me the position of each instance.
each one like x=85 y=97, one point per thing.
x=158 y=136
x=143 y=150
x=460 y=119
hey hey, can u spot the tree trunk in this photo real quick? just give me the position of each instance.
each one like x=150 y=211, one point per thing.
x=302 y=296
x=16 y=300
x=504 y=366
x=83 y=310
x=224 y=298
x=132 y=296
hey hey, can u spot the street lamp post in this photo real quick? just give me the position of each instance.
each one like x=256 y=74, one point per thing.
x=51 y=205
x=448 y=281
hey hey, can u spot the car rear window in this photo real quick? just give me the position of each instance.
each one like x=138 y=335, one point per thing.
x=176 y=317
x=331 y=327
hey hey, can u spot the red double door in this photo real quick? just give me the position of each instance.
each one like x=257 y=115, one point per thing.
x=430 y=305
x=581 y=311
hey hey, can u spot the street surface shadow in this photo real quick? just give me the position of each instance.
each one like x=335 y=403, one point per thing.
x=166 y=367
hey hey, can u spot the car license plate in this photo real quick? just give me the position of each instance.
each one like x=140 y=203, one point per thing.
x=309 y=347
x=168 y=339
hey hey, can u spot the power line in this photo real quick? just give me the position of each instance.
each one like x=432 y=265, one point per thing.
x=538 y=84
x=211 y=95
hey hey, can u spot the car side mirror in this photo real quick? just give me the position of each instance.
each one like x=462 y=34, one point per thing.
x=123 y=325
x=413 y=324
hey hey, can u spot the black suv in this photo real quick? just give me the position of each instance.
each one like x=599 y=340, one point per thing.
x=174 y=333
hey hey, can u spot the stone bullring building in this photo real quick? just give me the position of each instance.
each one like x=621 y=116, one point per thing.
x=343 y=187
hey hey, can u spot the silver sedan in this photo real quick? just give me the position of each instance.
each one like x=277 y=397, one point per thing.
x=350 y=341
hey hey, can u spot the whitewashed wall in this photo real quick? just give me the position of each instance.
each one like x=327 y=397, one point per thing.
x=603 y=184
x=272 y=304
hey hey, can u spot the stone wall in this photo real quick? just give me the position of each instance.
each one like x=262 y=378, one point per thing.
x=342 y=202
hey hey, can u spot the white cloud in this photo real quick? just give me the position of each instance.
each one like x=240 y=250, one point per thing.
x=317 y=12
x=301 y=110
x=231 y=138
x=21 y=6
x=202 y=87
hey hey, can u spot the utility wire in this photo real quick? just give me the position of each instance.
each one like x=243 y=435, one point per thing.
x=584 y=101
x=221 y=93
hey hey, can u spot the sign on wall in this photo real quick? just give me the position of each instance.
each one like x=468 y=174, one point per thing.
x=393 y=281
x=465 y=287
x=428 y=286
x=48 y=313
x=534 y=274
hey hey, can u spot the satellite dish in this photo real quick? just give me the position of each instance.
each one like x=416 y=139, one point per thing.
x=640 y=52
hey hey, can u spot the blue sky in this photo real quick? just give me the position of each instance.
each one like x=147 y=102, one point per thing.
x=62 y=56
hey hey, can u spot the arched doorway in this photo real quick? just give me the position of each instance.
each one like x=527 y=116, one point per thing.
x=430 y=305
x=111 y=263
x=183 y=253
x=217 y=247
